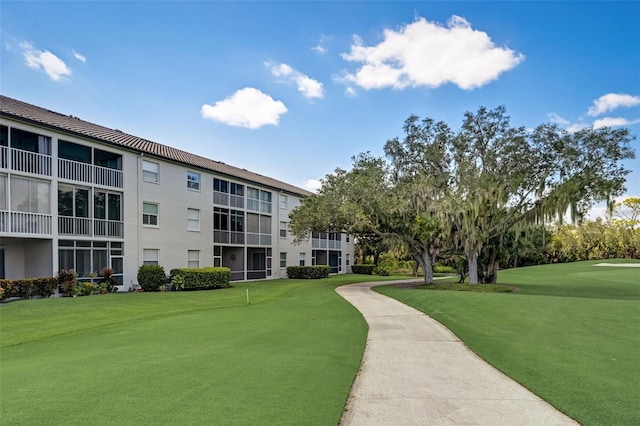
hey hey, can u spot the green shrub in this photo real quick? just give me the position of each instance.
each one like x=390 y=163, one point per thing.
x=363 y=268
x=67 y=281
x=382 y=271
x=45 y=287
x=106 y=278
x=308 y=272
x=203 y=278
x=151 y=277
x=441 y=269
x=26 y=288
x=88 y=288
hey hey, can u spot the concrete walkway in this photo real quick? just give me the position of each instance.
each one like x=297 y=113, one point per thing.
x=416 y=372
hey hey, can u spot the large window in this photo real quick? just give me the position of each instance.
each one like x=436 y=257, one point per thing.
x=237 y=195
x=27 y=141
x=193 y=258
x=258 y=229
x=107 y=205
x=30 y=195
x=193 y=181
x=193 y=219
x=150 y=171
x=87 y=258
x=74 y=202
x=150 y=214
x=150 y=256
x=74 y=152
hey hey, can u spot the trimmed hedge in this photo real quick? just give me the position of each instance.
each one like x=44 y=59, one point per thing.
x=151 y=277
x=203 y=278
x=27 y=288
x=363 y=268
x=308 y=272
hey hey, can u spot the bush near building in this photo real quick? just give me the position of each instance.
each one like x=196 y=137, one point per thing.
x=203 y=278
x=151 y=277
x=308 y=272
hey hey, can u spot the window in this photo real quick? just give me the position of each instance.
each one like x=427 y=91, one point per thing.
x=150 y=256
x=30 y=195
x=347 y=237
x=347 y=260
x=150 y=171
x=32 y=142
x=283 y=201
x=193 y=181
x=193 y=219
x=220 y=185
x=193 y=258
x=283 y=260
x=150 y=214
x=283 y=229
x=106 y=205
x=302 y=256
x=3 y=192
x=74 y=152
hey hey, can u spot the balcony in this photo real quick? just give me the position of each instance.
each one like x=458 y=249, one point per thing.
x=25 y=161
x=86 y=227
x=34 y=224
x=88 y=173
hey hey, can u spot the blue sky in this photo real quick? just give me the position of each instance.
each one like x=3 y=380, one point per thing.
x=293 y=90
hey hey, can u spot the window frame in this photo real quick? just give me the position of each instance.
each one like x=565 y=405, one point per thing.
x=146 y=171
x=150 y=260
x=150 y=215
x=193 y=259
x=283 y=259
x=193 y=184
x=193 y=221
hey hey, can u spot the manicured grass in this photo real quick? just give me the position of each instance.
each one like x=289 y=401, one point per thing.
x=205 y=357
x=571 y=334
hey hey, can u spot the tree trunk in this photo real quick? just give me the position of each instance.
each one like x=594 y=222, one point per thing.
x=472 y=260
x=426 y=262
x=416 y=264
x=494 y=266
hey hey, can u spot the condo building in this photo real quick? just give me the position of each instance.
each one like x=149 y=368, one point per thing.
x=77 y=195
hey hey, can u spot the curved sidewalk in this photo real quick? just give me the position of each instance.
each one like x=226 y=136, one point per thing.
x=416 y=372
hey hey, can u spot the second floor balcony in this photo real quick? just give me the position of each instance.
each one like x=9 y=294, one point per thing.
x=89 y=173
x=88 y=227
x=25 y=161
x=26 y=224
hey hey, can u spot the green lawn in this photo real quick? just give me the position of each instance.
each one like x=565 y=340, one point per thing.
x=182 y=358
x=571 y=334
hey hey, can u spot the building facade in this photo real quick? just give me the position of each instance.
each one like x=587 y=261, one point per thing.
x=76 y=195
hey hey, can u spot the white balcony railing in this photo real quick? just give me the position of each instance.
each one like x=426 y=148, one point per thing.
x=25 y=223
x=4 y=163
x=29 y=162
x=82 y=226
x=108 y=228
x=84 y=172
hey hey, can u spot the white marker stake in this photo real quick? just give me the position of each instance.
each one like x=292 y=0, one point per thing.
x=248 y=297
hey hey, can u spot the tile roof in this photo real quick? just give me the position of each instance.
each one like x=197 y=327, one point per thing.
x=16 y=109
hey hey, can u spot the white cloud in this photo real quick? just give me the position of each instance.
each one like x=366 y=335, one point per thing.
x=555 y=118
x=429 y=54
x=313 y=185
x=309 y=87
x=320 y=47
x=576 y=127
x=613 y=122
x=247 y=107
x=79 y=56
x=612 y=101
x=46 y=61
x=350 y=91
